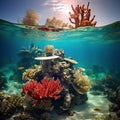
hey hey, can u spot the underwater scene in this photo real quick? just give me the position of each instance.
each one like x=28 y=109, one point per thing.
x=64 y=72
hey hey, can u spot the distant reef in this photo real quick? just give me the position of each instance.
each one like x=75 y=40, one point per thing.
x=115 y=25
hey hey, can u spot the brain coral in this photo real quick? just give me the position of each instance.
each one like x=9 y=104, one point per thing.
x=81 y=82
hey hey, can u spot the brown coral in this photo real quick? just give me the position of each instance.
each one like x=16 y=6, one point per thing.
x=49 y=50
x=9 y=105
x=81 y=82
x=29 y=74
x=81 y=16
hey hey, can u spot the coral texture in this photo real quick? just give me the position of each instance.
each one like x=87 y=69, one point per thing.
x=9 y=105
x=48 y=88
x=49 y=50
x=81 y=82
x=81 y=16
x=29 y=74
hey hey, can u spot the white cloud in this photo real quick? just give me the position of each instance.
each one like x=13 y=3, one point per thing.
x=60 y=6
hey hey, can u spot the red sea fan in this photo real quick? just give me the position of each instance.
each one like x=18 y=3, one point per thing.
x=48 y=88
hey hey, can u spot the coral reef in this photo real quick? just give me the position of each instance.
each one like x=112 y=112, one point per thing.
x=50 y=83
x=81 y=16
x=54 y=83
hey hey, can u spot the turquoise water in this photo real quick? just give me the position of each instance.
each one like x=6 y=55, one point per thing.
x=97 y=49
x=87 y=45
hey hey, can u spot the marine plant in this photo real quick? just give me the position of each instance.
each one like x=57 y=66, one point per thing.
x=48 y=88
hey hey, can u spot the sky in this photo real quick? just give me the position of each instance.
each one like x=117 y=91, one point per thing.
x=106 y=11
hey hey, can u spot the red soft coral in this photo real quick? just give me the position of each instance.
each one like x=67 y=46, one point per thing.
x=48 y=88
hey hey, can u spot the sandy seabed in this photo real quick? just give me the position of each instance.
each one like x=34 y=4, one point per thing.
x=87 y=111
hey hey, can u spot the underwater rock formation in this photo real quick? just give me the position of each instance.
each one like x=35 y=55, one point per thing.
x=81 y=16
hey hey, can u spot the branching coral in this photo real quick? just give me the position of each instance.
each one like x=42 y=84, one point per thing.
x=81 y=82
x=9 y=105
x=48 y=88
x=81 y=16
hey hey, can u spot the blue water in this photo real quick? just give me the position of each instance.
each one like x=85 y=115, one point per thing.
x=87 y=45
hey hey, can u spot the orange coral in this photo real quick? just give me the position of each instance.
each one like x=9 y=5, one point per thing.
x=81 y=16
